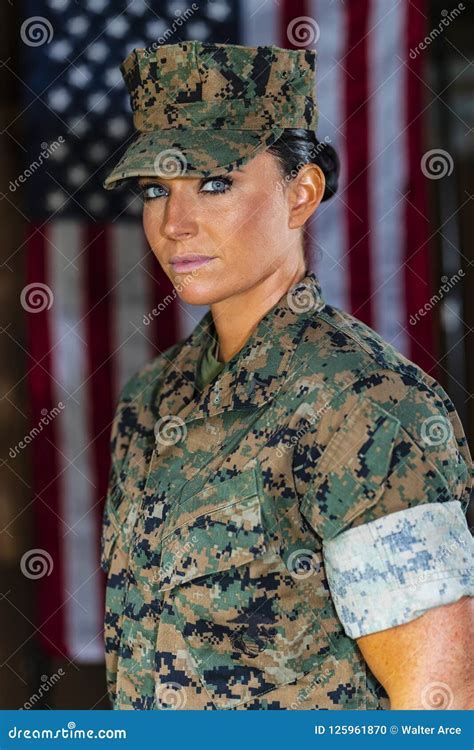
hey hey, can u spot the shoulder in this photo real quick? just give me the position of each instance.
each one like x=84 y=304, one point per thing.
x=376 y=419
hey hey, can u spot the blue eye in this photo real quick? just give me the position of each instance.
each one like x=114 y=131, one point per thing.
x=225 y=182
x=152 y=191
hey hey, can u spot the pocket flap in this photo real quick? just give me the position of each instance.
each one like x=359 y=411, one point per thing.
x=223 y=531
x=212 y=497
x=351 y=471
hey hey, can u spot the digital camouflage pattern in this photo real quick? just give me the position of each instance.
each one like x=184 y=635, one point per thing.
x=391 y=570
x=221 y=502
x=203 y=108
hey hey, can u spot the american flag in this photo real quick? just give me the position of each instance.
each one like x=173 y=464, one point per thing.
x=92 y=280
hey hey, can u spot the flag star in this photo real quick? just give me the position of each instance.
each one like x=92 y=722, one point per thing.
x=56 y=199
x=117 y=27
x=59 y=99
x=78 y=25
x=97 y=52
x=217 y=10
x=197 y=30
x=80 y=76
x=117 y=127
x=59 y=50
x=77 y=174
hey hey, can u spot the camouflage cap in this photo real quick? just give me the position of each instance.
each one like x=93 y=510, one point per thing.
x=203 y=109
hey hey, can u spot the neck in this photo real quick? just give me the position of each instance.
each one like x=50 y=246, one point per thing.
x=237 y=317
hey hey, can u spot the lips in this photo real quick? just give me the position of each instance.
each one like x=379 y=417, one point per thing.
x=188 y=257
x=183 y=263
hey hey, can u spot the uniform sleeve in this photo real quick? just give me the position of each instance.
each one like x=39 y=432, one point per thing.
x=388 y=496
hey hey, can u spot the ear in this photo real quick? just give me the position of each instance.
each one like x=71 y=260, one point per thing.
x=304 y=194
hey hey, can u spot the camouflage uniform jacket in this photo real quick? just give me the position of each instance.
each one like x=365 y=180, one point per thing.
x=225 y=506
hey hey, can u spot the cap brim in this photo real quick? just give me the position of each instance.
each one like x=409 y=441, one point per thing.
x=189 y=153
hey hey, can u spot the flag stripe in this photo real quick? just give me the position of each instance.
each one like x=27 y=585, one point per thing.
x=83 y=588
x=388 y=168
x=115 y=308
x=356 y=146
x=329 y=238
x=416 y=250
x=48 y=509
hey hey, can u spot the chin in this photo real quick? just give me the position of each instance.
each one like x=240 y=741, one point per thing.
x=195 y=292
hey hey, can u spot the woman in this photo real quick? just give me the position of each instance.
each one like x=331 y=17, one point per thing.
x=284 y=526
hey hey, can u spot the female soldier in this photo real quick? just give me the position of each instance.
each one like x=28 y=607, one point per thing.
x=284 y=526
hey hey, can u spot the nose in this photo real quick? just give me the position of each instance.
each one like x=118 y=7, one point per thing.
x=179 y=220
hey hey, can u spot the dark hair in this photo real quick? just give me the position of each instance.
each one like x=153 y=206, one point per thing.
x=297 y=146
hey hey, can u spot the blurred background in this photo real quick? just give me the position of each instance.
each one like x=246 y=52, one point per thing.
x=79 y=284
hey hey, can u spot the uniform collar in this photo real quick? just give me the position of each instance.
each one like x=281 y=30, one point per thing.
x=254 y=375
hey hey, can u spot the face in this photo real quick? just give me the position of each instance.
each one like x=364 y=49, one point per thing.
x=245 y=225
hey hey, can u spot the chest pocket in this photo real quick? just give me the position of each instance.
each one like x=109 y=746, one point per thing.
x=214 y=530
x=248 y=624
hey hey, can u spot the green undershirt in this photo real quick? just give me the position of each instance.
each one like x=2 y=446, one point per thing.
x=209 y=366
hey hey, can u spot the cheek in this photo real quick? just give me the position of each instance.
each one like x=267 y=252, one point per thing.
x=258 y=213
